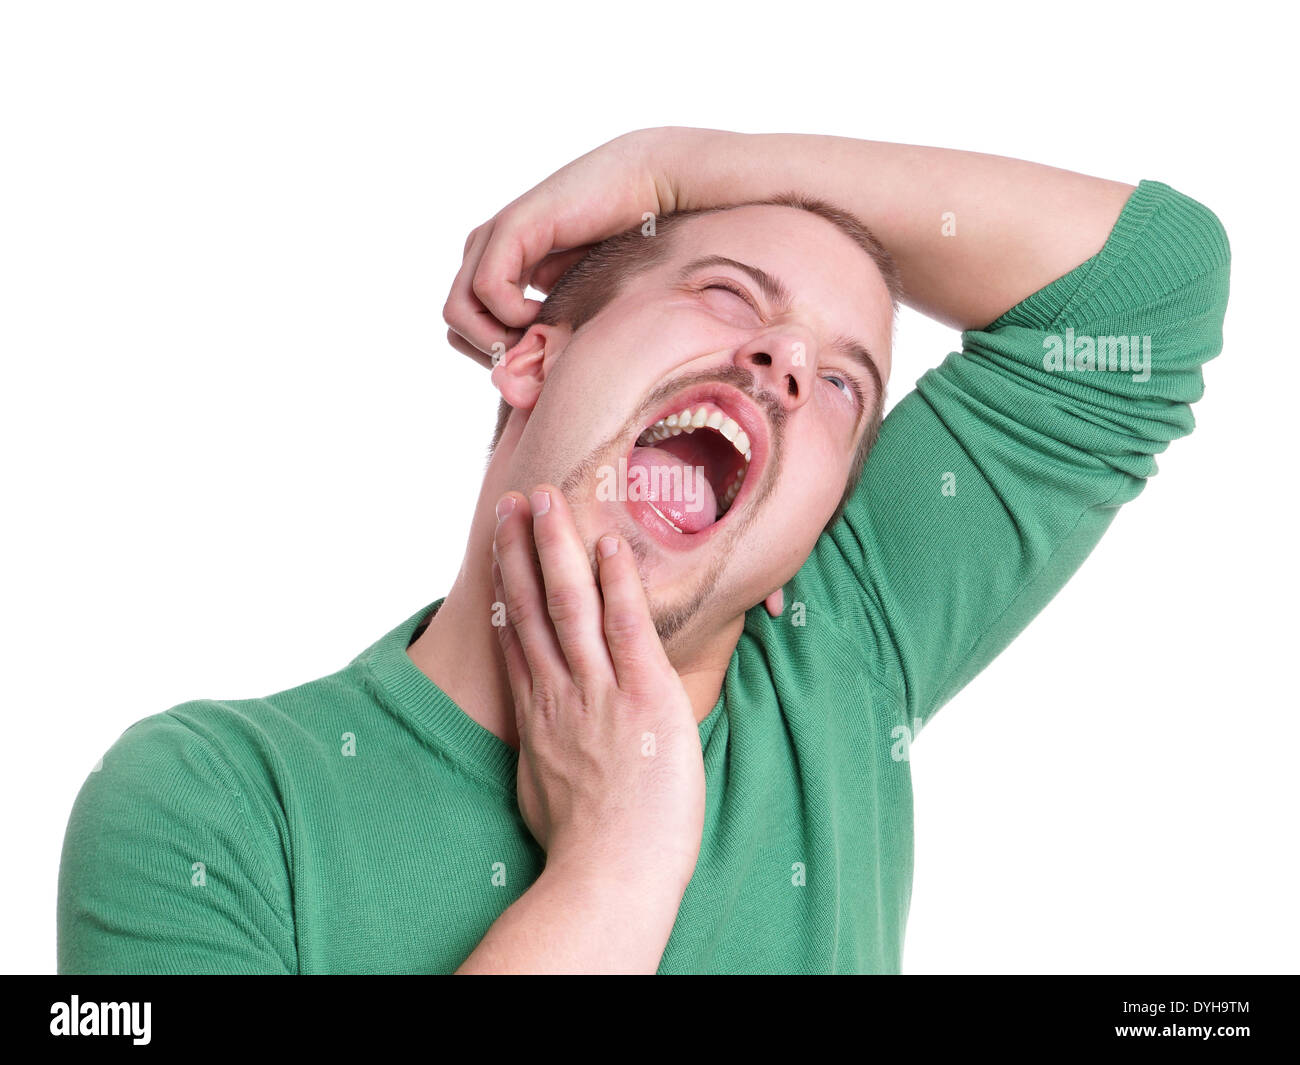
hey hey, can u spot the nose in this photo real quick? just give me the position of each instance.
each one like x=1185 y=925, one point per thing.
x=783 y=363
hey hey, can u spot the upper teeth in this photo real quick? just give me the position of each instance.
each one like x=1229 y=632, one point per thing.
x=687 y=421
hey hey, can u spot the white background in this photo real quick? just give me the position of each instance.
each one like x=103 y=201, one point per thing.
x=237 y=448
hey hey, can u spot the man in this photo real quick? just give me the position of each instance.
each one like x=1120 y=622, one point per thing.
x=669 y=732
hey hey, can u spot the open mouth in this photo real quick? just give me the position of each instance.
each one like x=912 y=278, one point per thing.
x=697 y=456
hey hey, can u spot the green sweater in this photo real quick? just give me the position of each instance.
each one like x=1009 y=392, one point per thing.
x=362 y=822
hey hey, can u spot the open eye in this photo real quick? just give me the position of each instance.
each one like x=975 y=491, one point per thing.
x=843 y=385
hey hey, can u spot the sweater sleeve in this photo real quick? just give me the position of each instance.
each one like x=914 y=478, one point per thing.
x=164 y=871
x=992 y=481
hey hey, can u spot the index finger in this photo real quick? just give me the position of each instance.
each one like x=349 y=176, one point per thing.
x=571 y=596
x=467 y=314
x=518 y=240
x=630 y=633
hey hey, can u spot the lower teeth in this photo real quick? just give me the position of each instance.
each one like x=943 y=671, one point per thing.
x=665 y=517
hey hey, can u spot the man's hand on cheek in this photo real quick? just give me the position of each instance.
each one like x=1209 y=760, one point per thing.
x=611 y=774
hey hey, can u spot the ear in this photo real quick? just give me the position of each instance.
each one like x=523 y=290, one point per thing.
x=521 y=371
x=775 y=602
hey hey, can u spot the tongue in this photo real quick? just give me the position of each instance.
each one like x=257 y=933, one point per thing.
x=685 y=498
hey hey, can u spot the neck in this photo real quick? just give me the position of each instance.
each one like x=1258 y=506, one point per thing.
x=459 y=650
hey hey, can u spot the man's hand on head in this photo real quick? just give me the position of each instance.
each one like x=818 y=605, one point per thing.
x=537 y=237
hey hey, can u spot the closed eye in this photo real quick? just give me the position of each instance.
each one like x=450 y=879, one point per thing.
x=735 y=290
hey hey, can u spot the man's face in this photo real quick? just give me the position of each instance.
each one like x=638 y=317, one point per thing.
x=717 y=533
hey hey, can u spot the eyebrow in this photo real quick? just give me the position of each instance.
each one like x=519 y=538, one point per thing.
x=776 y=293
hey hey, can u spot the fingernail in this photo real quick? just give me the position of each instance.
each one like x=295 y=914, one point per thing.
x=606 y=545
x=541 y=502
x=504 y=507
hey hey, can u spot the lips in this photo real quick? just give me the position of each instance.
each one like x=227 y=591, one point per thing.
x=698 y=455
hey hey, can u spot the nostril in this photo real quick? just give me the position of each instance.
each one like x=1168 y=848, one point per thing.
x=762 y=359
x=793 y=388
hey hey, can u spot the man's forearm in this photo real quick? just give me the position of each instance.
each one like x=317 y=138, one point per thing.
x=579 y=923
x=972 y=234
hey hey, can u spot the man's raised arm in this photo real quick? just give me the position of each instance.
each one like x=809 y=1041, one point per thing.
x=1087 y=307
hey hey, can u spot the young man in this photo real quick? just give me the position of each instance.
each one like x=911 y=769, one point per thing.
x=670 y=734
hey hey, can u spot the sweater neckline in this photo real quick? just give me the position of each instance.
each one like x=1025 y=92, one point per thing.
x=441 y=722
